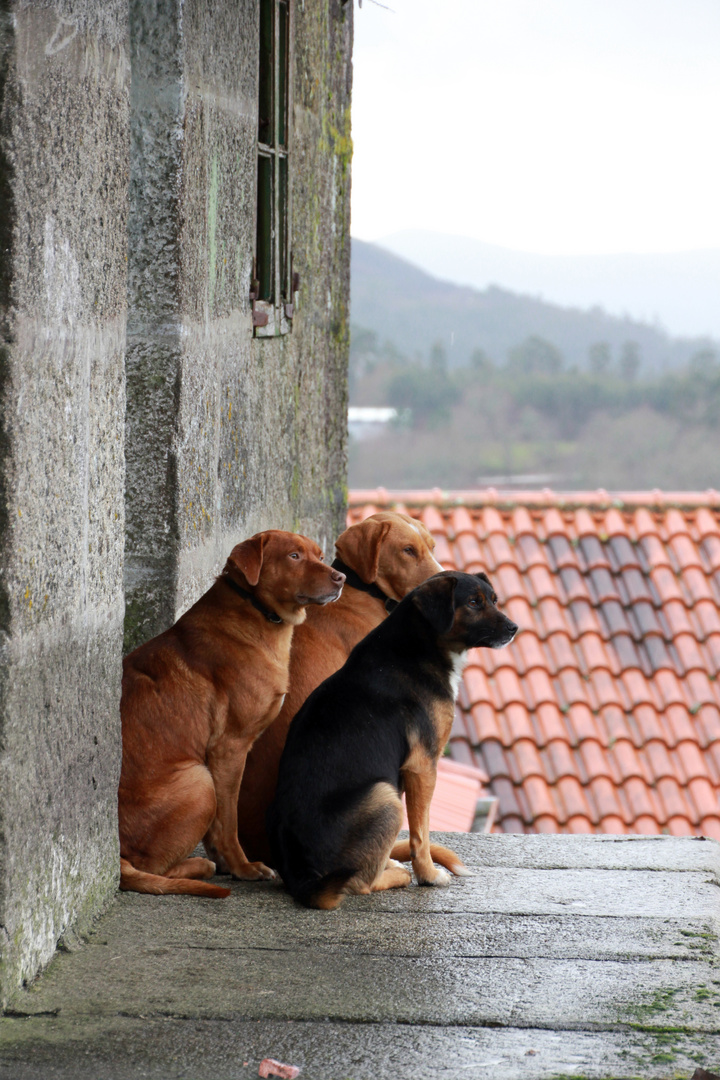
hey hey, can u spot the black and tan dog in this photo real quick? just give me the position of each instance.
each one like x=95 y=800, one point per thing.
x=372 y=730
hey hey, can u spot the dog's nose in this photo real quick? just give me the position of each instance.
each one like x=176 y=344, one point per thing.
x=513 y=628
x=337 y=578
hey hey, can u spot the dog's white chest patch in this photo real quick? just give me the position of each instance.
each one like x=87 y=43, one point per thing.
x=459 y=660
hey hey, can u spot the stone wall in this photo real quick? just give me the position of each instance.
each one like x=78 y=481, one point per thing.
x=64 y=153
x=226 y=433
x=223 y=433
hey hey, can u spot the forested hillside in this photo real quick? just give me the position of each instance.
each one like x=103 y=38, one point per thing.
x=578 y=400
x=403 y=305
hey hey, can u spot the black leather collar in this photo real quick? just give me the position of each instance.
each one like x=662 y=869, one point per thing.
x=271 y=616
x=356 y=582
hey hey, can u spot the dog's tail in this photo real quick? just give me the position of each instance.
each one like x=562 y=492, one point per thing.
x=441 y=855
x=132 y=880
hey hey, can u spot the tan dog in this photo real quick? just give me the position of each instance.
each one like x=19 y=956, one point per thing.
x=384 y=557
x=194 y=700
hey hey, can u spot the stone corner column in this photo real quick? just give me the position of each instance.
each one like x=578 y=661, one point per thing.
x=64 y=81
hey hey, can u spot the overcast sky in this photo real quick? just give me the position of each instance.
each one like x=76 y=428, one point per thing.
x=555 y=126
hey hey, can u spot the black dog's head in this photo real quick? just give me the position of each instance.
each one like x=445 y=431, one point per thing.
x=461 y=609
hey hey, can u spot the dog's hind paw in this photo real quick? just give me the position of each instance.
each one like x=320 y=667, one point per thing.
x=441 y=880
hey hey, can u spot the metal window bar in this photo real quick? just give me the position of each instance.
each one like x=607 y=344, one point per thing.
x=272 y=287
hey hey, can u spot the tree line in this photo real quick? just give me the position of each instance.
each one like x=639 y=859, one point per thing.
x=534 y=413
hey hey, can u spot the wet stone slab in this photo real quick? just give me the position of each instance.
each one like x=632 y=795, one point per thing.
x=127 y=1048
x=522 y=970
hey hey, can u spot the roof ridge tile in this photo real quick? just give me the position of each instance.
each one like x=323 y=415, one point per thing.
x=705 y=523
x=644 y=524
x=585 y=524
x=676 y=523
x=522 y=522
x=554 y=523
x=615 y=523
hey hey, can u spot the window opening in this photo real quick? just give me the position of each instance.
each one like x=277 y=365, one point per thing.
x=273 y=284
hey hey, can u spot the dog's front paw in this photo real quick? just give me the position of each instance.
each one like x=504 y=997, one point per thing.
x=254 y=871
x=441 y=879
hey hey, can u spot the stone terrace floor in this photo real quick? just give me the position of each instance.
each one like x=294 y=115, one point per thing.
x=562 y=956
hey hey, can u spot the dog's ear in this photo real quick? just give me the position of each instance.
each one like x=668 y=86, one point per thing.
x=248 y=557
x=359 y=547
x=436 y=600
x=483 y=577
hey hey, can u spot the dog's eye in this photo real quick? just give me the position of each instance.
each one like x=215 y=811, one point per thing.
x=410 y=551
x=473 y=603
x=294 y=555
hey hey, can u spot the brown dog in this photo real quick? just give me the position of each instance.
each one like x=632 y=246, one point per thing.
x=193 y=701
x=384 y=557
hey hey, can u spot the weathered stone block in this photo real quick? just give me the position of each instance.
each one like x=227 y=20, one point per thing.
x=63 y=195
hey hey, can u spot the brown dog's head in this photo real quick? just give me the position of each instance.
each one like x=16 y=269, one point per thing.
x=390 y=550
x=284 y=571
x=461 y=609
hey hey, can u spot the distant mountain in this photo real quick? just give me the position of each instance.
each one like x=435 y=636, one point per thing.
x=404 y=304
x=680 y=290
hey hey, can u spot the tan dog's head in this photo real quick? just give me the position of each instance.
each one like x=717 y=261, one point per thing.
x=285 y=572
x=390 y=550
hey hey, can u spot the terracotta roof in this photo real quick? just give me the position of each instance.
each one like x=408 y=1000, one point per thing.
x=604 y=713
